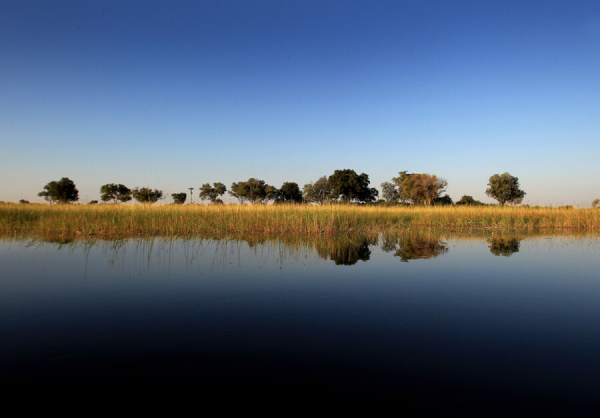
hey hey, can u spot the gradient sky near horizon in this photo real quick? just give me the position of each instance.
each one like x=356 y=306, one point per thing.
x=171 y=95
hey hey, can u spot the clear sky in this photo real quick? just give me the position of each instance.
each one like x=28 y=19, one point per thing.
x=174 y=94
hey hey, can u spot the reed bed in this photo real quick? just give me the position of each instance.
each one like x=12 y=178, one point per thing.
x=277 y=220
x=191 y=220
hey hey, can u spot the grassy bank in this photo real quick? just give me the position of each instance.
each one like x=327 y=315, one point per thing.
x=190 y=220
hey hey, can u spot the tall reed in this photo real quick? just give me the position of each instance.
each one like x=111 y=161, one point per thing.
x=277 y=220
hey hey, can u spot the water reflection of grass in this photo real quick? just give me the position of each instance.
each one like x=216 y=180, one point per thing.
x=225 y=250
x=71 y=221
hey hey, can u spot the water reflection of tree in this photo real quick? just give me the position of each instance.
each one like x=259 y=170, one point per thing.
x=345 y=251
x=413 y=246
x=504 y=246
x=226 y=250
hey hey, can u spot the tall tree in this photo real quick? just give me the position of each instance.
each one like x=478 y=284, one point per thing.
x=289 y=193
x=389 y=192
x=179 y=198
x=429 y=187
x=317 y=192
x=505 y=189
x=115 y=192
x=212 y=193
x=146 y=195
x=253 y=191
x=405 y=183
x=61 y=191
x=348 y=186
x=419 y=188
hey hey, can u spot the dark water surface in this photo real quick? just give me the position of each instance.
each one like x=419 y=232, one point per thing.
x=426 y=320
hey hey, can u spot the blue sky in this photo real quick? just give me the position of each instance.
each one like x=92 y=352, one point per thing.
x=172 y=95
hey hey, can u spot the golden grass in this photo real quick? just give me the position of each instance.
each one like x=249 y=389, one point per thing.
x=277 y=220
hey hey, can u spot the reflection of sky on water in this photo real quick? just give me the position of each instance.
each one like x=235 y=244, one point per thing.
x=457 y=317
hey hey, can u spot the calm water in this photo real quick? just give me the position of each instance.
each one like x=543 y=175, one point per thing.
x=417 y=319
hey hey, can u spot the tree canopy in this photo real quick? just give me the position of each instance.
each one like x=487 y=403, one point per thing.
x=253 y=191
x=317 y=192
x=443 y=200
x=146 y=195
x=115 y=192
x=389 y=192
x=179 y=198
x=419 y=188
x=505 y=189
x=212 y=193
x=289 y=193
x=348 y=186
x=61 y=191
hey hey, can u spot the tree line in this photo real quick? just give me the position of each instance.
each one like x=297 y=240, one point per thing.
x=343 y=186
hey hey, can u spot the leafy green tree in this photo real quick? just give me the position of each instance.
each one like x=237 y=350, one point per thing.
x=468 y=201
x=419 y=188
x=23 y=202
x=404 y=182
x=212 y=193
x=62 y=191
x=179 y=198
x=289 y=193
x=595 y=203
x=115 y=192
x=146 y=195
x=348 y=186
x=253 y=191
x=317 y=192
x=429 y=188
x=389 y=192
x=505 y=189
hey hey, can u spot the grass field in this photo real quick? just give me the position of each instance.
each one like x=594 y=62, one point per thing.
x=109 y=221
